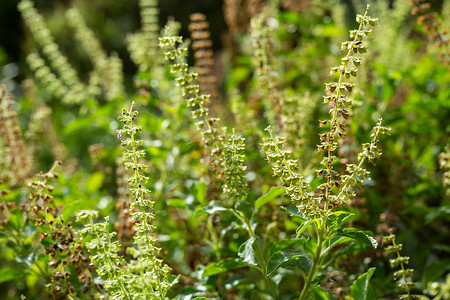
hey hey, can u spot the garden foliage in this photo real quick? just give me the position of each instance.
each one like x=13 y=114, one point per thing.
x=243 y=174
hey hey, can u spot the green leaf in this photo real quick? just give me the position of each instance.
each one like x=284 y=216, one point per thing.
x=288 y=259
x=177 y=203
x=69 y=208
x=213 y=208
x=79 y=124
x=94 y=182
x=293 y=211
x=8 y=273
x=358 y=235
x=338 y=240
x=318 y=293
x=46 y=242
x=283 y=244
x=350 y=248
x=247 y=253
x=338 y=218
x=29 y=231
x=17 y=220
x=199 y=192
x=13 y=245
x=189 y=292
x=238 y=75
x=244 y=208
x=438 y=213
x=361 y=289
x=304 y=226
x=436 y=269
x=27 y=259
x=222 y=266
x=172 y=279
x=272 y=194
x=235 y=281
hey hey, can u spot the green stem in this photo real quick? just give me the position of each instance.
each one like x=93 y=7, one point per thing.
x=261 y=261
x=215 y=239
x=316 y=261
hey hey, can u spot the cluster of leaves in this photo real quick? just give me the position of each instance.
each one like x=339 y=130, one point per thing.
x=206 y=216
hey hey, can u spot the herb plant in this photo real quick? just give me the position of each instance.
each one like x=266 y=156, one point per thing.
x=224 y=179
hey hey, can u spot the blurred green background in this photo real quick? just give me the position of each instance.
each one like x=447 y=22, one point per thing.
x=405 y=84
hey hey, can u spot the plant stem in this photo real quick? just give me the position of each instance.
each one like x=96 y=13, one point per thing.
x=215 y=239
x=316 y=261
x=261 y=261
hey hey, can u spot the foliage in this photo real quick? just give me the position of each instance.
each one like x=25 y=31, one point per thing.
x=231 y=211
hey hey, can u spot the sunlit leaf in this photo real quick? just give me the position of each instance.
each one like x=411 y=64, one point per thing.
x=177 y=203
x=244 y=208
x=247 y=253
x=318 y=294
x=304 y=226
x=26 y=259
x=213 y=208
x=338 y=218
x=7 y=273
x=199 y=192
x=272 y=194
x=222 y=266
x=361 y=289
x=288 y=259
x=358 y=235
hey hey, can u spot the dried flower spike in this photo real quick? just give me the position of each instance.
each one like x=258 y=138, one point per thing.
x=18 y=163
x=203 y=54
